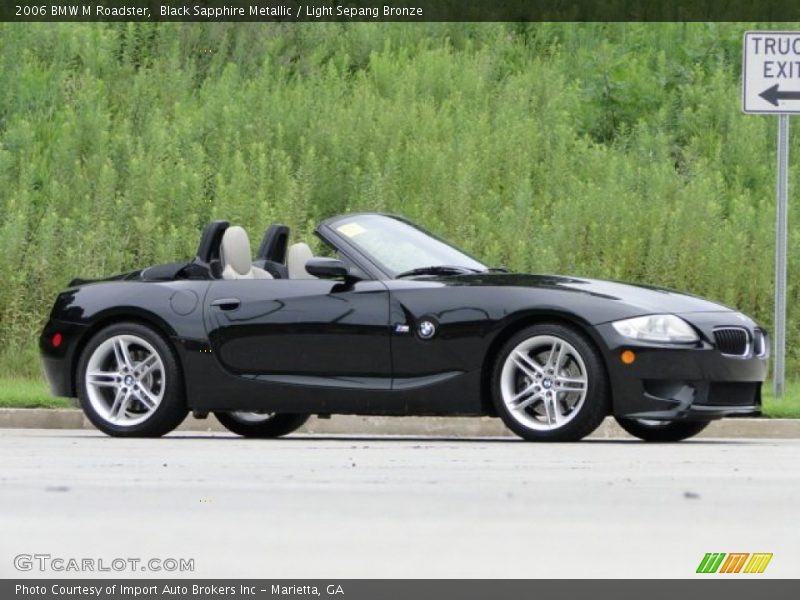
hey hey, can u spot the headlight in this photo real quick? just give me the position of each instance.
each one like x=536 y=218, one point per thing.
x=656 y=328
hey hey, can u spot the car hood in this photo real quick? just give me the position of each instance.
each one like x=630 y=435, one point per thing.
x=636 y=299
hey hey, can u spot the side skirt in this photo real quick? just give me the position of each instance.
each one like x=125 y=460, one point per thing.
x=211 y=388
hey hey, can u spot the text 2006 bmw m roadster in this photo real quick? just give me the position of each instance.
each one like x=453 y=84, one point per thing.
x=399 y=323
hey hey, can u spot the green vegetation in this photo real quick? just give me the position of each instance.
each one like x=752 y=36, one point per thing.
x=608 y=150
x=28 y=393
x=787 y=407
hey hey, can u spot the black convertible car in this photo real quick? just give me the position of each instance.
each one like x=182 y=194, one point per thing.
x=394 y=322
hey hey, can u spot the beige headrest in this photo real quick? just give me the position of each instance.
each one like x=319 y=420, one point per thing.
x=296 y=258
x=235 y=251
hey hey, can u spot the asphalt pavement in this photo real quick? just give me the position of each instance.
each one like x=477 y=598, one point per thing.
x=347 y=506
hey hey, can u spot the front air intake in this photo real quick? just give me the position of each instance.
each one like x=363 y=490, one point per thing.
x=732 y=341
x=759 y=343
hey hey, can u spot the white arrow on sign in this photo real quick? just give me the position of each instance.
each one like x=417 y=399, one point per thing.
x=771 y=72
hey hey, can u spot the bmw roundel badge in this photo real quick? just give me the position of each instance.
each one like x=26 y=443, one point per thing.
x=426 y=330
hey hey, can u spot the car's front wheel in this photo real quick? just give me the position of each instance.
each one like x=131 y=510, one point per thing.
x=129 y=382
x=549 y=384
x=662 y=431
x=260 y=424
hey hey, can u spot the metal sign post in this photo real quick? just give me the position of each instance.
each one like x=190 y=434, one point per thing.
x=771 y=85
x=781 y=234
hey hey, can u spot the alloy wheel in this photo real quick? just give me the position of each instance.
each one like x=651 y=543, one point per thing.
x=251 y=416
x=125 y=380
x=544 y=382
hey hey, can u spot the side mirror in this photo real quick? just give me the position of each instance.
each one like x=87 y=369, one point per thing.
x=327 y=268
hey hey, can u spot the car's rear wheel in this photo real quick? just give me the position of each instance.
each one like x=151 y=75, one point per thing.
x=260 y=424
x=549 y=384
x=129 y=382
x=662 y=431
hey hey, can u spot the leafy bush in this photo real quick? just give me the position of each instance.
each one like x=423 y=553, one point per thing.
x=606 y=150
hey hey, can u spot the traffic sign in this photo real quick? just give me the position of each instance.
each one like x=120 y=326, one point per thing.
x=771 y=72
x=771 y=84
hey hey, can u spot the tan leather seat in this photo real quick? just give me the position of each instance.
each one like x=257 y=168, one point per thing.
x=234 y=253
x=296 y=258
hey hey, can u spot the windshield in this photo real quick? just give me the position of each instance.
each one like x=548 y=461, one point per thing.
x=399 y=247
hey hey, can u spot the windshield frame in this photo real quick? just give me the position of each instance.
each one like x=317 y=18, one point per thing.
x=327 y=231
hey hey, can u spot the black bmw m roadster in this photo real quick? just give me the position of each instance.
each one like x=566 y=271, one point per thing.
x=394 y=322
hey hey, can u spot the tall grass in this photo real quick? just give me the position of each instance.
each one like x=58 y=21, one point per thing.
x=606 y=150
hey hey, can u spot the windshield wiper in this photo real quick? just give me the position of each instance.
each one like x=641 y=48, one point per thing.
x=436 y=270
x=497 y=270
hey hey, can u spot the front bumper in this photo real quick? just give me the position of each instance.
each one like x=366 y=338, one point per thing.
x=668 y=382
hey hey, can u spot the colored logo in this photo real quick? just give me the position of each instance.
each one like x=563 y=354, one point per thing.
x=734 y=562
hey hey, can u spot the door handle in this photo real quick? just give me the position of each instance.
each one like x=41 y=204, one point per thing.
x=227 y=303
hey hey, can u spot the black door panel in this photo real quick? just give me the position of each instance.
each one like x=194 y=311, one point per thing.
x=300 y=327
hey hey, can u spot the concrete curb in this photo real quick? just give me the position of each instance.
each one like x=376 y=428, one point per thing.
x=43 y=418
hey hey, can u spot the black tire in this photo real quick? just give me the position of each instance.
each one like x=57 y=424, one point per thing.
x=274 y=426
x=171 y=410
x=672 y=431
x=596 y=404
